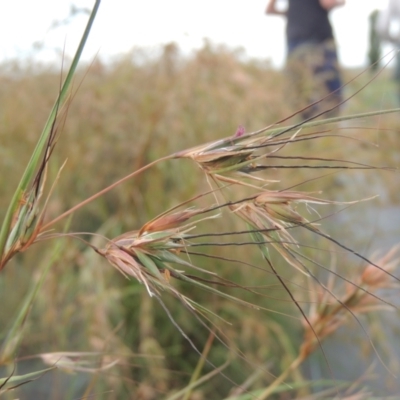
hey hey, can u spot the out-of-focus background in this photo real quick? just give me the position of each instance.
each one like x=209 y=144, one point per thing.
x=159 y=77
x=122 y=25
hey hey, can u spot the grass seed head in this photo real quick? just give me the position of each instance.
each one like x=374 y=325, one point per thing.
x=169 y=221
x=374 y=277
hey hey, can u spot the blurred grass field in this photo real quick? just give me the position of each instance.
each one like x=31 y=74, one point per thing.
x=124 y=115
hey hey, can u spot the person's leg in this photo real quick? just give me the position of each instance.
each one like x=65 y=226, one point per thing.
x=328 y=75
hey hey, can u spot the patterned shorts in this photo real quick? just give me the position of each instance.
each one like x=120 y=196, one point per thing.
x=313 y=73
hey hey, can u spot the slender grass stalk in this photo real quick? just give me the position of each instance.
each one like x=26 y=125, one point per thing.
x=102 y=192
x=15 y=332
x=26 y=377
x=200 y=365
x=281 y=378
x=44 y=137
x=178 y=395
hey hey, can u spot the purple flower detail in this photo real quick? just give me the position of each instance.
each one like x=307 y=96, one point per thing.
x=240 y=131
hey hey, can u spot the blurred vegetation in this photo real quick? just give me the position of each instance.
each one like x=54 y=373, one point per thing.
x=124 y=115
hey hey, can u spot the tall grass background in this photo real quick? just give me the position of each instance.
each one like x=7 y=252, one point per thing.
x=128 y=113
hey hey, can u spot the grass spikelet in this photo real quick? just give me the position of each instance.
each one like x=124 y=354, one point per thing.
x=170 y=221
x=330 y=312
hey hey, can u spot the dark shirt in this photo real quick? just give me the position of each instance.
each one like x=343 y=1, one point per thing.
x=307 y=21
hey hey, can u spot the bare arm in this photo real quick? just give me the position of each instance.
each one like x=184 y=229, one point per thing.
x=329 y=4
x=271 y=9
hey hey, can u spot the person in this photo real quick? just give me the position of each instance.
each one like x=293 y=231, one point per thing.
x=387 y=28
x=312 y=63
